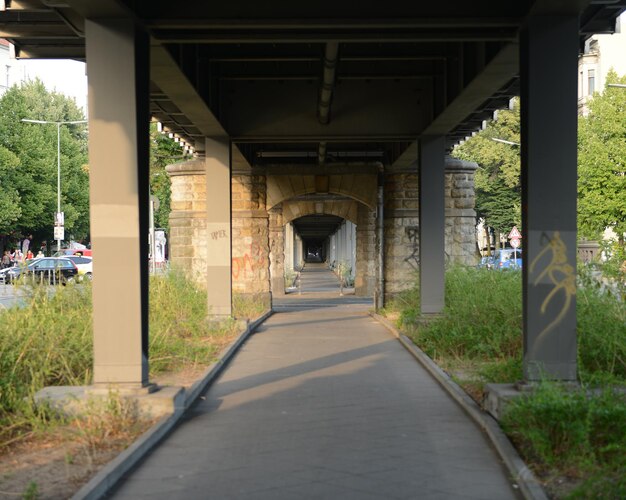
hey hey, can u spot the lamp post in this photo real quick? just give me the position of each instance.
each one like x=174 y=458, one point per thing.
x=58 y=124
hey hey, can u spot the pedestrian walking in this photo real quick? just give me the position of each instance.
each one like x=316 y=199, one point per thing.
x=6 y=260
x=26 y=244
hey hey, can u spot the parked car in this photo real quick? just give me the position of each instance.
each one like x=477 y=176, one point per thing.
x=45 y=270
x=84 y=265
x=506 y=258
x=65 y=252
x=485 y=261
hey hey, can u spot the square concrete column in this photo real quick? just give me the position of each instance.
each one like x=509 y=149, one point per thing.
x=549 y=51
x=117 y=67
x=219 y=231
x=432 y=224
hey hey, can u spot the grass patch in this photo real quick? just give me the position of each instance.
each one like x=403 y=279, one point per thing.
x=580 y=435
x=250 y=306
x=180 y=335
x=49 y=342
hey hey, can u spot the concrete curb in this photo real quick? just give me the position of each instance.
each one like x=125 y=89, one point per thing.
x=112 y=472
x=528 y=483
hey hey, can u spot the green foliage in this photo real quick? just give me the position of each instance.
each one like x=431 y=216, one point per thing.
x=180 y=333
x=602 y=162
x=601 y=334
x=28 y=163
x=250 y=306
x=163 y=152
x=31 y=492
x=573 y=432
x=49 y=342
x=497 y=181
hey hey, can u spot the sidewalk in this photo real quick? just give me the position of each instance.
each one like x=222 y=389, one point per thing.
x=323 y=403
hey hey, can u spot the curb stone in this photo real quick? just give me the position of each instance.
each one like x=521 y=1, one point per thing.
x=113 y=471
x=528 y=484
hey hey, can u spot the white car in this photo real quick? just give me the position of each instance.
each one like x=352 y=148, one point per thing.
x=84 y=265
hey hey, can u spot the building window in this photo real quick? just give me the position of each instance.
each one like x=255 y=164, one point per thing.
x=591 y=81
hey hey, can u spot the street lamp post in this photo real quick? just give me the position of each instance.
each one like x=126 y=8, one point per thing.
x=58 y=124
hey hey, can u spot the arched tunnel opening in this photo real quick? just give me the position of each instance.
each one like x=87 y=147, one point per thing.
x=315 y=232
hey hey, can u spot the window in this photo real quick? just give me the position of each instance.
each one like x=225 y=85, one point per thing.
x=591 y=81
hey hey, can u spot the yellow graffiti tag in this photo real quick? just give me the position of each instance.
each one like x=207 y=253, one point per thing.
x=560 y=273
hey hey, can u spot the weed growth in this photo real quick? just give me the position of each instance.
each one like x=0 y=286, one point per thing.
x=49 y=342
x=577 y=433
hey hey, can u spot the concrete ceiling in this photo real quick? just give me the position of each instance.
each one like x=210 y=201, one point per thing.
x=315 y=229
x=310 y=83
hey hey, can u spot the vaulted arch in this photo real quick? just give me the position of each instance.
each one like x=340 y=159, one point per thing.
x=359 y=187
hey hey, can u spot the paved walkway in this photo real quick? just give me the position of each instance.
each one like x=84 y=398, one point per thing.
x=322 y=403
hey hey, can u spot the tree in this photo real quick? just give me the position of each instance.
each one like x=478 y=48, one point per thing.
x=163 y=151
x=28 y=163
x=602 y=163
x=497 y=180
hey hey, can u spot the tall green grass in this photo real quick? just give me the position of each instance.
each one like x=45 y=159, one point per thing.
x=180 y=333
x=577 y=434
x=49 y=342
x=482 y=322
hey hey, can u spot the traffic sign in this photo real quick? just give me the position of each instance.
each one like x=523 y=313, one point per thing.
x=59 y=232
x=514 y=233
x=515 y=242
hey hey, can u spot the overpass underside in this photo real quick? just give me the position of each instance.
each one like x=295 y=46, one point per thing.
x=283 y=103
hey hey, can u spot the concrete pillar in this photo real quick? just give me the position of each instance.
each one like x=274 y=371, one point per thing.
x=219 y=231
x=118 y=75
x=548 y=64
x=432 y=224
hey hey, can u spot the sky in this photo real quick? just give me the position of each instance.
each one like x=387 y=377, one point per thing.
x=65 y=76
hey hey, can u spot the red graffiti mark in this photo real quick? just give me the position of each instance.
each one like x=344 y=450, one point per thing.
x=241 y=265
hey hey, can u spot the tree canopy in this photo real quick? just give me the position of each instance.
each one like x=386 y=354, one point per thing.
x=28 y=163
x=602 y=162
x=497 y=180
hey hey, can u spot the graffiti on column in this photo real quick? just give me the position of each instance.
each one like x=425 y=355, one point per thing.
x=248 y=262
x=217 y=235
x=560 y=274
x=412 y=234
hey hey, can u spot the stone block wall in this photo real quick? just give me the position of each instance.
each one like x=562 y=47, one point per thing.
x=277 y=251
x=460 y=213
x=250 y=242
x=188 y=220
x=401 y=223
x=366 y=260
